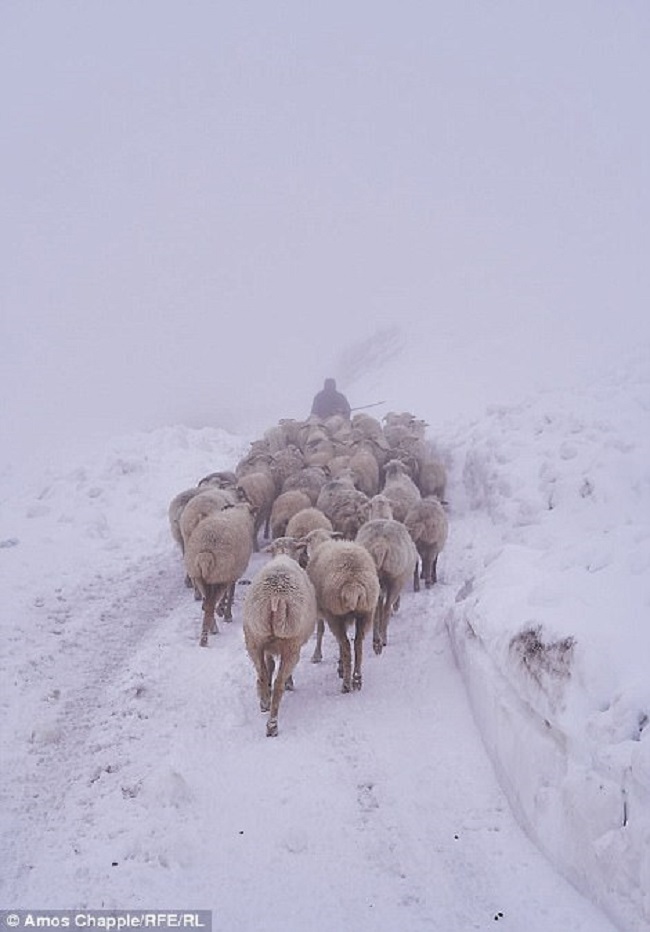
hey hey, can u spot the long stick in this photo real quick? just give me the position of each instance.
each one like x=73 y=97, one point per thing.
x=363 y=407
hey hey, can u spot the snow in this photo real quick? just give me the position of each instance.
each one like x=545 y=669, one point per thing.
x=494 y=768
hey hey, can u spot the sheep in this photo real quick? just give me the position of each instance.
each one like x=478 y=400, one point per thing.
x=279 y=616
x=338 y=427
x=223 y=479
x=427 y=524
x=216 y=555
x=339 y=465
x=345 y=506
x=275 y=438
x=331 y=489
x=370 y=428
x=201 y=505
x=285 y=506
x=364 y=467
x=401 y=427
x=400 y=489
x=259 y=489
x=286 y=463
x=310 y=479
x=380 y=507
x=432 y=479
x=396 y=559
x=318 y=448
x=175 y=510
x=291 y=429
x=258 y=458
x=347 y=592
x=305 y=521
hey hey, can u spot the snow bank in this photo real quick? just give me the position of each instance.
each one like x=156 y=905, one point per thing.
x=551 y=550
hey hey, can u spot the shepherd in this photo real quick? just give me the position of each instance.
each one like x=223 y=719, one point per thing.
x=329 y=401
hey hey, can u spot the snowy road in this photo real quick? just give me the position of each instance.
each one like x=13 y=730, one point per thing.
x=140 y=775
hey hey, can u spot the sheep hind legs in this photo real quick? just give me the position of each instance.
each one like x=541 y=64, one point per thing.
x=362 y=624
x=224 y=608
x=317 y=656
x=380 y=622
x=269 y=691
x=430 y=574
x=352 y=679
x=388 y=603
x=213 y=594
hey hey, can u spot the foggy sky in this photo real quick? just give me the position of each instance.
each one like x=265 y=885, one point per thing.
x=205 y=204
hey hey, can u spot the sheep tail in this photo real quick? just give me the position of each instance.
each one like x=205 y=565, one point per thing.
x=379 y=549
x=351 y=593
x=205 y=563
x=280 y=619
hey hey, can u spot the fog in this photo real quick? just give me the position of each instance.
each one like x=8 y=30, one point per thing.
x=207 y=205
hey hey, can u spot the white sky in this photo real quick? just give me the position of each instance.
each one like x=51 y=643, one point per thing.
x=204 y=203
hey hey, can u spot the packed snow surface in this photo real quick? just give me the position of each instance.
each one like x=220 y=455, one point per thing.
x=495 y=767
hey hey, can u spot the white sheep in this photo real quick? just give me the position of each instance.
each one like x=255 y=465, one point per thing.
x=364 y=467
x=400 y=428
x=201 y=505
x=285 y=506
x=396 y=559
x=223 y=479
x=365 y=425
x=279 y=616
x=428 y=526
x=216 y=555
x=318 y=448
x=432 y=478
x=400 y=489
x=347 y=592
x=344 y=505
x=259 y=489
x=286 y=463
x=310 y=479
x=175 y=510
x=307 y=520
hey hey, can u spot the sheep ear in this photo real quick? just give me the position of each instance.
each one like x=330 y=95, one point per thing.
x=336 y=535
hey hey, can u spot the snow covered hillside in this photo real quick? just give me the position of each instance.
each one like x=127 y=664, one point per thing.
x=136 y=771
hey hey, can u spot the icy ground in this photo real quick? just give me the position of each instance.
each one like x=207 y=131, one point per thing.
x=136 y=771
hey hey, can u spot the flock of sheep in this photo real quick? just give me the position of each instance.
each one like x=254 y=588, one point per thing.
x=353 y=510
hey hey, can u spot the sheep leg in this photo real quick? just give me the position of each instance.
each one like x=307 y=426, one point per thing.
x=434 y=570
x=209 y=621
x=392 y=605
x=363 y=622
x=317 y=656
x=385 y=605
x=416 y=577
x=224 y=608
x=430 y=574
x=379 y=623
x=263 y=680
x=345 y=654
x=288 y=661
